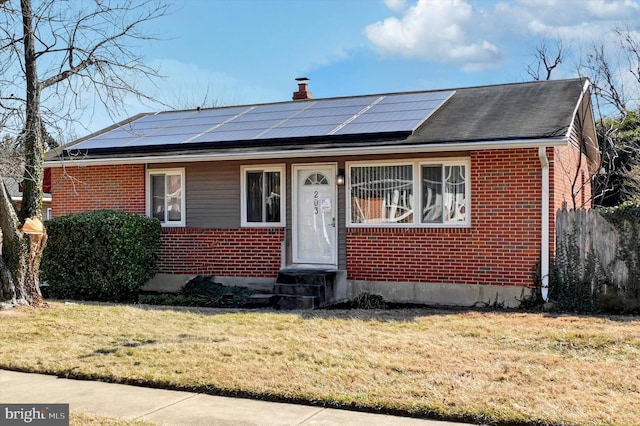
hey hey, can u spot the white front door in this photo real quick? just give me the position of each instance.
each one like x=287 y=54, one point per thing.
x=315 y=214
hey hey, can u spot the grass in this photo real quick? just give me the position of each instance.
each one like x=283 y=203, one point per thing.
x=84 y=419
x=515 y=368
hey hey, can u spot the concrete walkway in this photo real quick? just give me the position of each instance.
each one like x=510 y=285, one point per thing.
x=168 y=407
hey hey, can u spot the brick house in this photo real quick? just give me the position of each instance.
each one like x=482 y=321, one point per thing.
x=440 y=197
x=14 y=188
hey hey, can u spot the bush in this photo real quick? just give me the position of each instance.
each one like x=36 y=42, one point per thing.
x=103 y=255
x=616 y=304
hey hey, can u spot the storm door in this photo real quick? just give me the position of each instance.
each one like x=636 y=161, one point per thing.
x=314 y=214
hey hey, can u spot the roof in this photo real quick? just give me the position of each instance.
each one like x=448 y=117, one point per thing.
x=538 y=113
x=535 y=110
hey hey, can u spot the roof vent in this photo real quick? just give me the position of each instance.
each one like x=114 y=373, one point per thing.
x=302 y=93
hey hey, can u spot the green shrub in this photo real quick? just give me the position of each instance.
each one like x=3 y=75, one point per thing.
x=103 y=255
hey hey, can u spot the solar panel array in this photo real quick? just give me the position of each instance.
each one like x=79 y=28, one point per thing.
x=373 y=114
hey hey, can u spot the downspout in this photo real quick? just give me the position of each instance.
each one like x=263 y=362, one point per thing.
x=544 y=257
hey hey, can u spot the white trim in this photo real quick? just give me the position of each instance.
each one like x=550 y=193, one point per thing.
x=585 y=89
x=243 y=195
x=544 y=256
x=19 y=198
x=183 y=194
x=317 y=152
x=417 y=187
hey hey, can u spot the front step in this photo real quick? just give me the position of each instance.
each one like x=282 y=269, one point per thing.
x=288 y=302
x=303 y=288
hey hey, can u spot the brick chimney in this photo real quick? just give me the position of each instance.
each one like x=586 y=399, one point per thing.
x=302 y=92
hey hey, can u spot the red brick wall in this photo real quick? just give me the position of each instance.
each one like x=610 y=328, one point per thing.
x=242 y=252
x=78 y=189
x=246 y=252
x=501 y=247
x=569 y=182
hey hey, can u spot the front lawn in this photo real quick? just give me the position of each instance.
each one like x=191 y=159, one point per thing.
x=460 y=365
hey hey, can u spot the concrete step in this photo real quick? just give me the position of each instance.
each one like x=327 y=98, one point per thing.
x=298 y=289
x=306 y=276
x=286 y=302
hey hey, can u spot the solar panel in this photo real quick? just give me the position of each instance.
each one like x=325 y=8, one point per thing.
x=247 y=125
x=224 y=136
x=376 y=127
x=401 y=112
x=156 y=140
x=297 y=132
x=330 y=109
x=372 y=117
x=264 y=115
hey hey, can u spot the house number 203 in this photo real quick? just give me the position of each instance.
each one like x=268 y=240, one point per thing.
x=316 y=202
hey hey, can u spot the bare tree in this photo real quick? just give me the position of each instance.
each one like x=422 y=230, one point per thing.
x=545 y=57
x=618 y=179
x=55 y=52
x=604 y=74
x=613 y=67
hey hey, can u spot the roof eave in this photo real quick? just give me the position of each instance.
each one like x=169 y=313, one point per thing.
x=584 y=111
x=319 y=152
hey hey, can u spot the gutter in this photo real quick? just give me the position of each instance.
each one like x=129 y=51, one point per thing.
x=316 y=152
x=544 y=247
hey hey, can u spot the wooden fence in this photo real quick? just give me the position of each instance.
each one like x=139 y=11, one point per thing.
x=594 y=251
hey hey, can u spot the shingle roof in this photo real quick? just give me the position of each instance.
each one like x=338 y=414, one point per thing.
x=540 y=109
x=518 y=112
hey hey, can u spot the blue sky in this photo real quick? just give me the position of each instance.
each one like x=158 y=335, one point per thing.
x=230 y=52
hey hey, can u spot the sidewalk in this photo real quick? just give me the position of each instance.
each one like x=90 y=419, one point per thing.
x=168 y=407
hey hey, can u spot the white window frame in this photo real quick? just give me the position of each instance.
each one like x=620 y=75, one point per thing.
x=243 y=194
x=417 y=165
x=172 y=171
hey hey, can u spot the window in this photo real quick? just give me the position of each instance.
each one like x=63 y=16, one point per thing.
x=262 y=197
x=416 y=193
x=166 y=196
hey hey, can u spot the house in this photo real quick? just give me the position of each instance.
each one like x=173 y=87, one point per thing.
x=440 y=197
x=14 y=188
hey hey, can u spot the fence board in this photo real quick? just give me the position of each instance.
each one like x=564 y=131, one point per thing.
x=597 y=240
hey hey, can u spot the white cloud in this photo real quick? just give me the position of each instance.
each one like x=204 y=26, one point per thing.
x=396 y=5
x=444 y=31
x=571 y=20
x=611 y=10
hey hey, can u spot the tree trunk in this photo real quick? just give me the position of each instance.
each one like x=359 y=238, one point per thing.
x=21 y=252
x=20 y=260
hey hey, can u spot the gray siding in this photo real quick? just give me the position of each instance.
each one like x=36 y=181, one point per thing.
x=213 y=193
